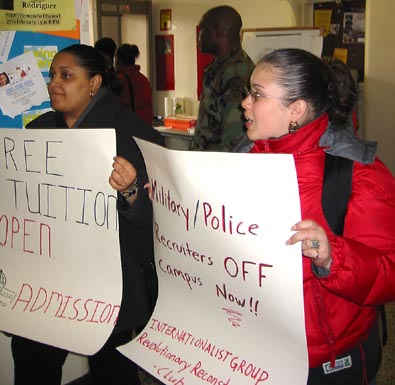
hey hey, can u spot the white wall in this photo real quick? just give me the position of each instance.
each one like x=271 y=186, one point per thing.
x=380 y=78
x=134 y=30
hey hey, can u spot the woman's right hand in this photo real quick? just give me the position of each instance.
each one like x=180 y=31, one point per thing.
x=123 y=175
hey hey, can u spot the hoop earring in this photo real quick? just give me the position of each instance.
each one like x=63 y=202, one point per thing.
x=293 y=127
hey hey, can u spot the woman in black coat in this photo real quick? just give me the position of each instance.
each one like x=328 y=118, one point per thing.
x=80 y=99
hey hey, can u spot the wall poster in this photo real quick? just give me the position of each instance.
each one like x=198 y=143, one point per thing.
x=41 y=28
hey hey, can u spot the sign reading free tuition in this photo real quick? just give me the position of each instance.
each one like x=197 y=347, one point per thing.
x=60 y=280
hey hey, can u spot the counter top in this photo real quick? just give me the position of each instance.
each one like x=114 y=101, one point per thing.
x=174 y=131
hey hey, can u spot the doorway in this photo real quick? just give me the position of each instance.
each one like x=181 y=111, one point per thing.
x=128 y=21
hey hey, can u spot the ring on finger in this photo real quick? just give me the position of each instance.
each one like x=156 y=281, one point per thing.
x=315 y=243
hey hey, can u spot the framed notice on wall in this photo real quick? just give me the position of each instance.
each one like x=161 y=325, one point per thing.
x=165 y=19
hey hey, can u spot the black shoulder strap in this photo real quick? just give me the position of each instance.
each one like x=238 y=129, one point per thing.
x=336 y=192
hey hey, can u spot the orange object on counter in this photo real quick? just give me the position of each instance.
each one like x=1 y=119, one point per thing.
x=180 y=122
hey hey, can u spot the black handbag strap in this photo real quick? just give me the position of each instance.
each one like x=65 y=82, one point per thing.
x=336 y=191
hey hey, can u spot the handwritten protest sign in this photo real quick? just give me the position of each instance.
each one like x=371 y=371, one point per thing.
x=59 y=246
x=230 y=307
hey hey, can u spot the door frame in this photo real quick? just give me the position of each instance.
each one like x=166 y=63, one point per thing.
x=118 y=8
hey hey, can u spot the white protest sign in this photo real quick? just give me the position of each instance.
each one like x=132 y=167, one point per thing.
x=230 y=307
x=60 y=279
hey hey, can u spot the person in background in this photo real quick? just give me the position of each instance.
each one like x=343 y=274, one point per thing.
x=80 y=98
x=219 y=123
x=136 y=87
x=107 y=47
x=299 y=105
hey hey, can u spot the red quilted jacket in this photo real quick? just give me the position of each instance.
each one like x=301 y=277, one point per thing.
x=340 y=308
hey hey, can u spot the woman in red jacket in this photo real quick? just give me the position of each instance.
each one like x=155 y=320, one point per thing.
x=136 y=88
x=299 y=105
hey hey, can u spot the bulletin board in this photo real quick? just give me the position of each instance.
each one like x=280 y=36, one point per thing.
x=44 y=46
x=260 y=41
x=344 y=37
x=42 y=40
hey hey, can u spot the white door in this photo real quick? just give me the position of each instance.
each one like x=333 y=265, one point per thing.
x=109 y=27
x=134 y=30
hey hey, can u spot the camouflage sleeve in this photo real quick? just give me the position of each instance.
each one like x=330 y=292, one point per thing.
x=221 y=126
x=220 y=121
x=232 y=125
x=232 y=114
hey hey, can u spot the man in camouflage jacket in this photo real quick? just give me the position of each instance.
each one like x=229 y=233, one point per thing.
x=219 y=124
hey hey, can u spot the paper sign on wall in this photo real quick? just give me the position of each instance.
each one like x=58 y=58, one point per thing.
x=261 y=41
x=228 y=284
x=50 y=15
x=22 y=85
